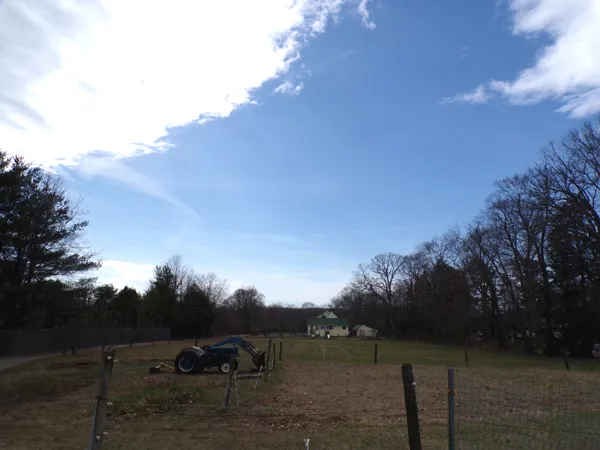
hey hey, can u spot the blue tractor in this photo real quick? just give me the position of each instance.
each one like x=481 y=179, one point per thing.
x=196 y=359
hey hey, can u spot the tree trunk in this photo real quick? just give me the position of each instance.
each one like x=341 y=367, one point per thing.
x=392 y=323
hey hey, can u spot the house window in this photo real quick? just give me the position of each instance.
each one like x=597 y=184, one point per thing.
x=330 y=327
x=343 y=328
x=322 y=328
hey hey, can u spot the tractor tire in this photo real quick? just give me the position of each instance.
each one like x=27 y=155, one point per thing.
x=226 y=367
x=185 y=363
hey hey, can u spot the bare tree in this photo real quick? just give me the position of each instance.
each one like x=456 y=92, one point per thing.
x=213 y=286
x=381 y=279
x=248 y=301
x=183 y=276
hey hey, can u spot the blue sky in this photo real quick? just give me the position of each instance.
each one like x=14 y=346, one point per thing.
x=285 y=144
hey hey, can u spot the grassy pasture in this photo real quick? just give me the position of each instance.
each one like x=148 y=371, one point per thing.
x=326 y=390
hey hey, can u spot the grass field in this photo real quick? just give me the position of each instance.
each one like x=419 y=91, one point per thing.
x=327 y=391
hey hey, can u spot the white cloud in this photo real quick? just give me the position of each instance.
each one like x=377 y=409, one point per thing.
x=115 y=75
x=364 y=14
x=125 y=273
x=478 y=96
x=567 y=69
x=116 y=170
x=289 y=88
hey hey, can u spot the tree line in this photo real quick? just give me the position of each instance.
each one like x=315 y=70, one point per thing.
x=525 y=274
x=189 y=304
x=45 y=268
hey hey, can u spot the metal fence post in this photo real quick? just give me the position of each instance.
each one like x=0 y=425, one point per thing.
x=412 y=412
x=268 y=361
x=280 y=349
x=106 y=365
x=273 y=356
x=451 y=425
x=228 y=384
x=376 y=350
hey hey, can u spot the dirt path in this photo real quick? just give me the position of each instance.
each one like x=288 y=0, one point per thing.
x=13 y=361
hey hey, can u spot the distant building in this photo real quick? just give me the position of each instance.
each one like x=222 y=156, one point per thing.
x=364 y=331
x=327 y=324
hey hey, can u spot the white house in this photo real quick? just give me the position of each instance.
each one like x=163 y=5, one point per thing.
x=327 y=324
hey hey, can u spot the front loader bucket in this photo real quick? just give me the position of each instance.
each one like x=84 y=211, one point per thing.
x=259 y=360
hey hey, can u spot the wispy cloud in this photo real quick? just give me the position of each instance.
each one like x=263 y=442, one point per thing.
x=364 y=14
x=118 y=170
x=567 y=69
x=478 y=96
x=348 y=53
x=289 y=88
x=116 y=75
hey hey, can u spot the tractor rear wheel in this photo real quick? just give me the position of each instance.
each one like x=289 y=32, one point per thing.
x=185 y=363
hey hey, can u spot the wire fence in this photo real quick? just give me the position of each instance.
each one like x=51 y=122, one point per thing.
x=528 y=412
x=493 y=408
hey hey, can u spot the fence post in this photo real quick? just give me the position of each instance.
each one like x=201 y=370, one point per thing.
x=228 y=384
x=106 y=365
x=273 y=356
x=451 y=426
x=280 y=349
x=268 y=364
x=410 y=403
x=375 y=354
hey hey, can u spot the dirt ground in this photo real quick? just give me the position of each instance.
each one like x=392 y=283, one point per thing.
x=336 y=404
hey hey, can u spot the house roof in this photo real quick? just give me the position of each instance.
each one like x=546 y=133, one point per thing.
x=356 y=327
x=327 y=315
x=334 y=322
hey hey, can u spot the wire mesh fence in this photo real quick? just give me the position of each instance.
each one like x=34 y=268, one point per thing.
x=527 y=411
x=338 y=392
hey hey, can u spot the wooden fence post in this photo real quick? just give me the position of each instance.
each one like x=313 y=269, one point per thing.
x=106 y=365
x=280 y=349
x=451 y=425
x=412 y=412
x=375 y=355
x=268 y=361
x=228 y=384
x=273 y=356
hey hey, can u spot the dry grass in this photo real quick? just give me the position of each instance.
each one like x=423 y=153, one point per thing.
x=328 y=391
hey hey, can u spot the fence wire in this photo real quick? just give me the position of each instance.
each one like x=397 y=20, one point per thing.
x=528 y=413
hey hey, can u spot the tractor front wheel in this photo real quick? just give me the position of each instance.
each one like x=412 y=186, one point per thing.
x=225 y=367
